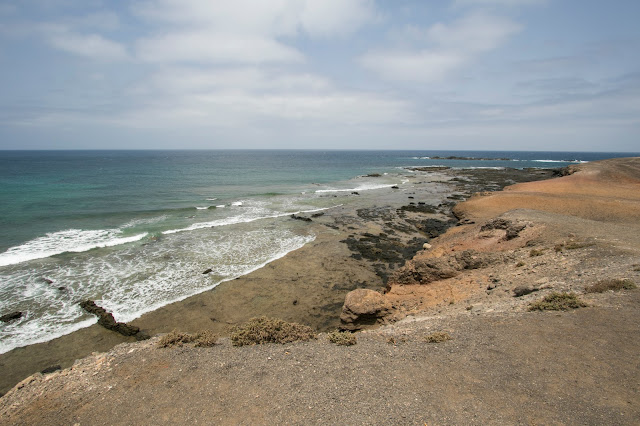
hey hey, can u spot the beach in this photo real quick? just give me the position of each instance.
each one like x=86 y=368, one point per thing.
x=582 y=227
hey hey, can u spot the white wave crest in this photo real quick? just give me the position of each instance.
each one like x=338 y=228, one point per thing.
x=359 y=188
x=71 y=240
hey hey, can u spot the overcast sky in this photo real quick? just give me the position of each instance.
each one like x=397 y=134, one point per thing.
x=560 y=75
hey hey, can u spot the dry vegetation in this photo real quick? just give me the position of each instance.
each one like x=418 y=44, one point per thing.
x=270 y=330
x=437 y=337
x=611 y=285
x=342 y=338
x=558 y=302
x=203 y=339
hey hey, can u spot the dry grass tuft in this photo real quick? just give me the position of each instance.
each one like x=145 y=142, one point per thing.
x=203 y=339
x=270 y=330
x=536 y=252
x=611 y=284
x=342 y=338
x=437 y=337
x=558 y=302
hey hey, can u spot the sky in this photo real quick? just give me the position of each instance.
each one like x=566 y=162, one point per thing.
x=544 y=75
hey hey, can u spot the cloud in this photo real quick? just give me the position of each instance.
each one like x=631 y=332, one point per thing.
x=441 y=49
x=243 y=31
x=92 y=46
x=205 y=46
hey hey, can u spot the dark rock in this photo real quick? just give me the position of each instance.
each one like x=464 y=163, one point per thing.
x=355 y=193
x=305 y=219
x=106 y=319
x=47 y=280
x=512 y=229
x=317 y=214
x=374 y=175
x=51 y=369
x=523 y=290
x=295 y=302
x=62 y=288
x=395 y=187
x=363 y=308
x=207 y=271
x=411 y=198
x=11 y=316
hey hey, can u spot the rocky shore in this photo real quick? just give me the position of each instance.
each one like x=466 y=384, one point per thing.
x=416 y=262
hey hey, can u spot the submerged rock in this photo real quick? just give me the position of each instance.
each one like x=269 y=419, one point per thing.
x=11 y=316
x=106 y=319
x=363 y=308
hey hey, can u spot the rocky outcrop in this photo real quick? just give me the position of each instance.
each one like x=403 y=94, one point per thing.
x=106 y=320
x=512 y=229
x=363 y=308
x=424 y=269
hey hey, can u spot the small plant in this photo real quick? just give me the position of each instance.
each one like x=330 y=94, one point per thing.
x=611 y=284
x=636 y=268
x=270 y=330
x=205 y=339
x=437 y=337
x=558 y=302
x=558 y=247
x=342 y=338
x=520 y=264
x=572 y=245
x=202 y=339
x=536 y=252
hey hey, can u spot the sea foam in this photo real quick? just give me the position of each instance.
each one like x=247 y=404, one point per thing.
x=71 y=240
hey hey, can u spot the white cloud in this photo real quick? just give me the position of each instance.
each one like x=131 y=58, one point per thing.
x=92 y=46
x=243 y=31
x=442 y=48
x=203 y=46
x=266 y=17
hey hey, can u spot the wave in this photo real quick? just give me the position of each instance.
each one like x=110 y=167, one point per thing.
x=71 y=240
x=559 y=161
x=359 y=188
x=239 y=219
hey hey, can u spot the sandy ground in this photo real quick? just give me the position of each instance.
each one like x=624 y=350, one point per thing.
x=503 y=364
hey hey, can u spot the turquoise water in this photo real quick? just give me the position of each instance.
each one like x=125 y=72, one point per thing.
x=135 y=229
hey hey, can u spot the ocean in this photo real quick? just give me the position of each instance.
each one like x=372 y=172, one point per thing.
x=134 y=230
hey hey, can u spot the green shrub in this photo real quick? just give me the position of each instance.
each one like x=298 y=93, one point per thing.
x=437 y=337
x=557 y=302
x=342 y=338
x=611 y=284
x=269 y=330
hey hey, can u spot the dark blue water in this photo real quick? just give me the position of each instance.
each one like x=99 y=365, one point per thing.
x=134 y=229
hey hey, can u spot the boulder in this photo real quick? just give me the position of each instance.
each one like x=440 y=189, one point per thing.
x=363 y=308
x=11 y=316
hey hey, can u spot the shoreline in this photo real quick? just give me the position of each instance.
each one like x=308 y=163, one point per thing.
x=317 y=277
x=504 y=363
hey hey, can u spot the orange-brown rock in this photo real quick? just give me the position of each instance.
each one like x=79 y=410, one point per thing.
x=363 y=308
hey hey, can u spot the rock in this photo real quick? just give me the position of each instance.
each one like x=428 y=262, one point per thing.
x=395 y=187
x=363 y=308
x=207 y=271
x=426 y=246
x=47 y=280
x=355 y=193
x=51 y=369
x=106 y=319
x=305 y=219
x=11 y=316
x=523 y=290
x=512 y=229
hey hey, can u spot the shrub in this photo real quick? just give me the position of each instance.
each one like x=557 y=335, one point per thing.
x=342 y=338
x=611 y=284
x=572 y=245
x=557 y=302
x=204 y=338
x=437 y=337
x=269 y=330
x=536 y=252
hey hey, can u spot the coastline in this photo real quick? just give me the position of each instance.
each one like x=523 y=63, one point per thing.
x=573 y=366
x=317 y=277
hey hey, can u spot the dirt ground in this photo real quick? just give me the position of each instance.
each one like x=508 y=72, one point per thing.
x=503 y=365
